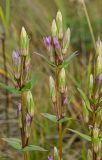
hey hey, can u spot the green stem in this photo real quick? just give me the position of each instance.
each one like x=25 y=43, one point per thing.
x=60 y=140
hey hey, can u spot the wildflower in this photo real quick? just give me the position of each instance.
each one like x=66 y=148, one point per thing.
x=30 y=103
x=56 y=43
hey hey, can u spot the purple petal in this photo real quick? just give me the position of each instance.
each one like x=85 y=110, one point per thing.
x=64 y=100
x=16 y=57
x=28 y=119
x=50 y=158
x=56 y=43
x=47 y=41
x=19 y=109
x=99 y=79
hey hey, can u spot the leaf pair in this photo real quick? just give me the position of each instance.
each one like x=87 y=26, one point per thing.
x=16 y=144
x=54 y=119
x=63 y=65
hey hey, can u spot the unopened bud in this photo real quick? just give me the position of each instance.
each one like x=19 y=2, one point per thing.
x=62 y=80
x=52 y=89
x=19 y=110
x=24 y=42
x=56 y=155
x=99 y=65
x=50 y=158
x=59 y=24
x=89 y=155
x=99 y=47
x=91 y=84
x=54 y=29
x=85 y=112
x=30 y=103
x=28 y=123
x=66 y=41
x=99 y=79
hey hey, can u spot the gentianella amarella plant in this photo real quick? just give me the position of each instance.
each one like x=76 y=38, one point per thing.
x=92 y=108
x=57 y=47
x=23 y=84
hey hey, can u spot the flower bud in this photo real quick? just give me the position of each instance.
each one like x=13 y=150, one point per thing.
x=56 y=155
x=89 y=155
x=85 y=112
x=62 y=80
x=91 y=84
x=19 y=110
x=28 y=123
x=95 y=132
x=99 y=65
x=59 y=24
x=24 y=42
x=54 y=29
x=99 y=79
x=52 y=89
x=47 y=42
x=50 y=158
x=66 y=41
x=99 y=47
x=16 y=58
x=30 y=103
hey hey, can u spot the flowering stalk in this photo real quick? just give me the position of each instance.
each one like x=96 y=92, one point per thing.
x=92 y=110
x=57 y=47
x=21 y=61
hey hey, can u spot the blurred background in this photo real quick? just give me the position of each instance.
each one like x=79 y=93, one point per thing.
x=36 y=16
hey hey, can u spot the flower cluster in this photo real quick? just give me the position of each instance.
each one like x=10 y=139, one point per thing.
x=21 y=63
x=57 y=46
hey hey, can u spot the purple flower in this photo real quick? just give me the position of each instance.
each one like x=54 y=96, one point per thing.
x=99 y=79
x=50 y=158
x=47 y=41
x=28 y=119
x=19 y=110
x=16 y=57
x=56 y=43
x=64 y=100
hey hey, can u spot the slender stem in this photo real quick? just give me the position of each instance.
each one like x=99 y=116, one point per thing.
x=26 y=156
x=6 y=80
x=89 y=23
x=58 y=105
x=60 y=140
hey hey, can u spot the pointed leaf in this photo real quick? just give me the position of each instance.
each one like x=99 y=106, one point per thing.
x=84 y=97
x=9 y=88
x=65 y=119
x=34 y=148
x=84 y=136
x=50 y=117
x=68 y=60
x=43 y=57
x=13 y=142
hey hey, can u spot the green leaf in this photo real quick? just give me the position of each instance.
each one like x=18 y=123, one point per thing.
x=43 y=57
x=65 y=119
x=50 y=117
x=84 y=136
x=30 y=84
x=84 y=97
x=68 y=60
x=9 y=88
x=54 y=119
x=13 y=142
x=34 y=148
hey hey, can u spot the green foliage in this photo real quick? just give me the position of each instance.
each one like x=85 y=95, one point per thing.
x=84 y=136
